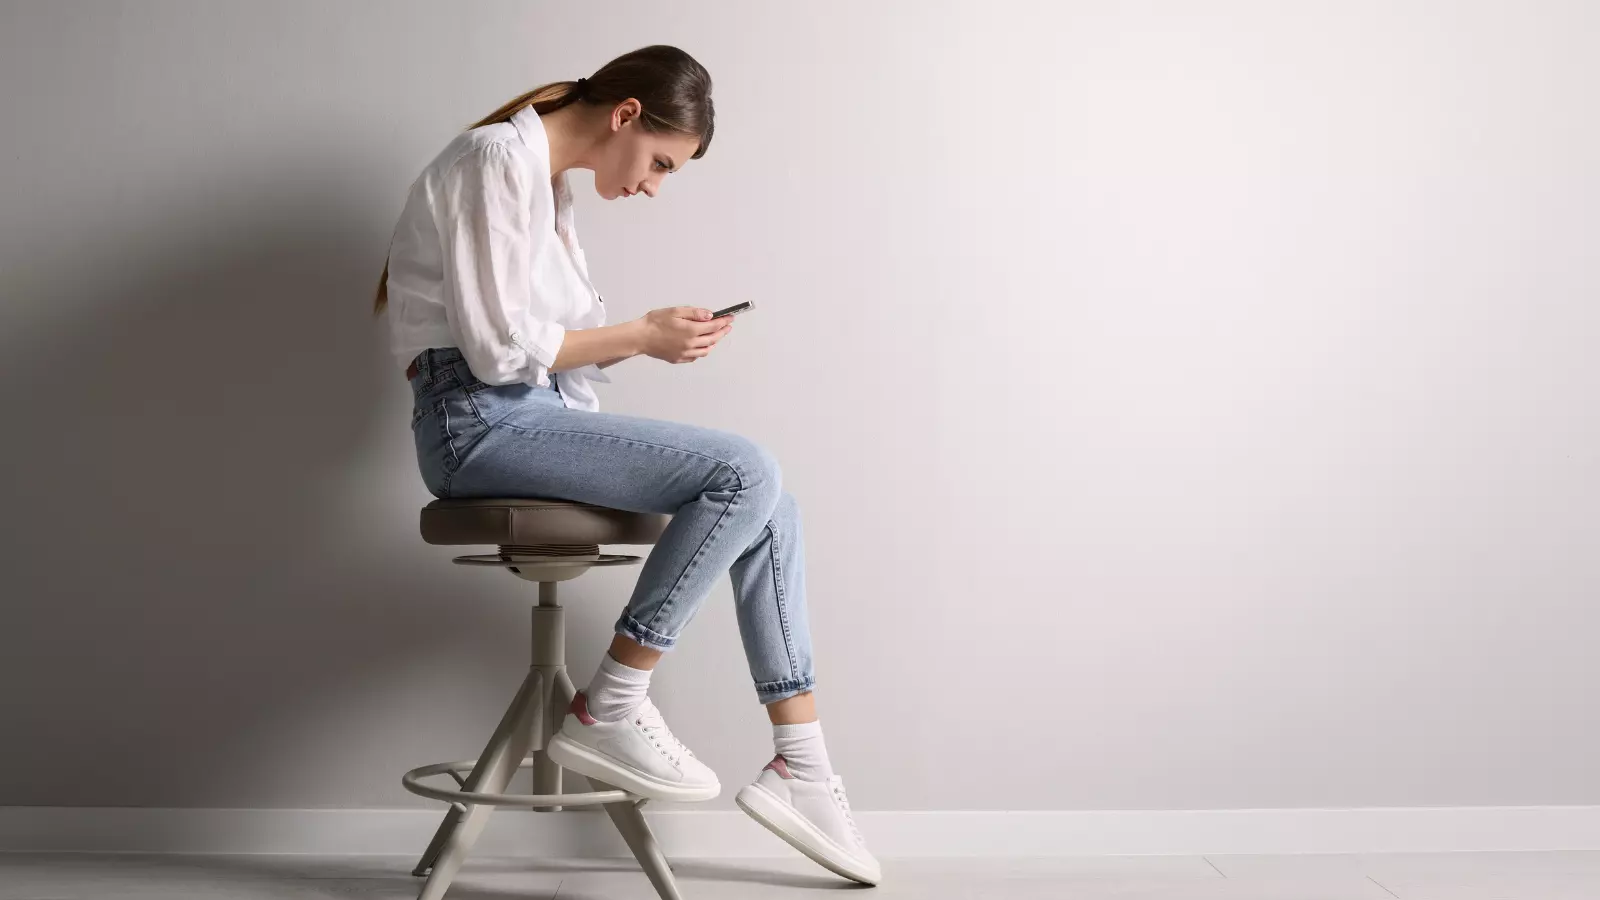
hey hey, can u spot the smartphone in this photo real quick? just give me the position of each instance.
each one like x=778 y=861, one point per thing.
x=734 y=310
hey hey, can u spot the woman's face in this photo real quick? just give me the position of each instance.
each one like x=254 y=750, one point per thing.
x=633 y=160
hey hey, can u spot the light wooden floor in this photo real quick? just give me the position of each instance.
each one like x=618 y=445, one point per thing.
x=1464 y=876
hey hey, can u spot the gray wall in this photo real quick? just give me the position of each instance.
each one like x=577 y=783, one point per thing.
x=1195 y=399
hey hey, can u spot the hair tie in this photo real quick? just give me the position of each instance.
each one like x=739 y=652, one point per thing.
x=583 y=84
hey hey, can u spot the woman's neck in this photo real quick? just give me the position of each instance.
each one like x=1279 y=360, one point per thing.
x=573 y=132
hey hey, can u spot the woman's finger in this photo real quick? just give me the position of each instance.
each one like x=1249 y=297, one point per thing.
x=712 y=326
x=716 y=336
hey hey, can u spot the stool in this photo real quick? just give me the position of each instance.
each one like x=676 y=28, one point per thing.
x=547 y=542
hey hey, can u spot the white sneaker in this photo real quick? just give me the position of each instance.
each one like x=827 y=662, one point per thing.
x=637 y=754
x=814 y=817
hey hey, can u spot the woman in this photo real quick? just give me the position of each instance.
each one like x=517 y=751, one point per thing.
x=503 y=337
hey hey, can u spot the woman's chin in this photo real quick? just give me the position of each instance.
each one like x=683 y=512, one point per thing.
x=607 y=193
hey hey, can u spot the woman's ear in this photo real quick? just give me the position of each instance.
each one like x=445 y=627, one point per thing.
x=626 y=111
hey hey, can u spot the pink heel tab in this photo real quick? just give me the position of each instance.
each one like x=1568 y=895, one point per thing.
x=580 y=708
x=781 y=766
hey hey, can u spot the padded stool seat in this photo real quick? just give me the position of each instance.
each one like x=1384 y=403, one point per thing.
x=532 y=522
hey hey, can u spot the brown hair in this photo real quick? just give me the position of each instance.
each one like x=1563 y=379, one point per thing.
x=673 y=90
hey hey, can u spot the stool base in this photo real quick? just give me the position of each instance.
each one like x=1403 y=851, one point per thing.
x=518 y=742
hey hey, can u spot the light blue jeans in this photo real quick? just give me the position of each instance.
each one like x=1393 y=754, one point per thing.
x=725 y=494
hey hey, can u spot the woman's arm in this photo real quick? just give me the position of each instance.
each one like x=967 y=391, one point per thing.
x=601 y=346
x=500 y=323
x=677 y=334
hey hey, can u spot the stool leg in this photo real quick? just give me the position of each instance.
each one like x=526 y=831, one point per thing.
x=636 y=831
x=546 y=773
x=501 y=757
x=565 y=690
x=550 y=658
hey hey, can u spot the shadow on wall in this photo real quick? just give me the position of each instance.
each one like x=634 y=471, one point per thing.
x=189 y=396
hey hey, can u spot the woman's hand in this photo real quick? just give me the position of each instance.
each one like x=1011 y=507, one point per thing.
x=681 y=334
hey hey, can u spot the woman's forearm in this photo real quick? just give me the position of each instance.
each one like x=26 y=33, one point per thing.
x=603 y=346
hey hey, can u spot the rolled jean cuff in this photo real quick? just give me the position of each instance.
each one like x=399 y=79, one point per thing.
x=634 y=630
x=773 y=691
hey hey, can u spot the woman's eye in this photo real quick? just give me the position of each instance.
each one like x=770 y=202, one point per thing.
x=662 y=166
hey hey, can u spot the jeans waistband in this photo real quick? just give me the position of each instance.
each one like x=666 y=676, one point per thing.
x=430 y=363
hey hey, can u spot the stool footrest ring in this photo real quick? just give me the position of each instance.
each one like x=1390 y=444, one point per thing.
x=412 y=781
x=503 y=560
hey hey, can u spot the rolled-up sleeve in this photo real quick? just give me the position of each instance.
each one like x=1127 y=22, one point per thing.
x=499 y=324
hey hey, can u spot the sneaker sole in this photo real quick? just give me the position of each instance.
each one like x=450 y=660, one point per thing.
x=784 y=821
x=591 y=763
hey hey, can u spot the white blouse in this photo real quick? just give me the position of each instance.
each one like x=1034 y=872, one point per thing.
x=485 y=259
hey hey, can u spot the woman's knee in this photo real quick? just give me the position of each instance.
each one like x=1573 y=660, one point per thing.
x=787 y=511
x=754 y=471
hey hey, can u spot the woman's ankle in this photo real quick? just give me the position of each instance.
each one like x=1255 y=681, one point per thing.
x=633 y=654
x=797 y=710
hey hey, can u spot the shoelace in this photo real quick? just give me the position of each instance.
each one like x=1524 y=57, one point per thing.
x=844 y=805
x=654 y=726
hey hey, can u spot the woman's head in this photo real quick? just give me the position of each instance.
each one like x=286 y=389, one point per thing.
x=632 y=158
x=656 y=106
x=653 y=107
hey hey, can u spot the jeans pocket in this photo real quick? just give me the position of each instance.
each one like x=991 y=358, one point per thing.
x=445 y=430
x=493 y=402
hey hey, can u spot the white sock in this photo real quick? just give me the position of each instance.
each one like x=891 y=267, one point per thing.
x=616 y=690
x=802 y=748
